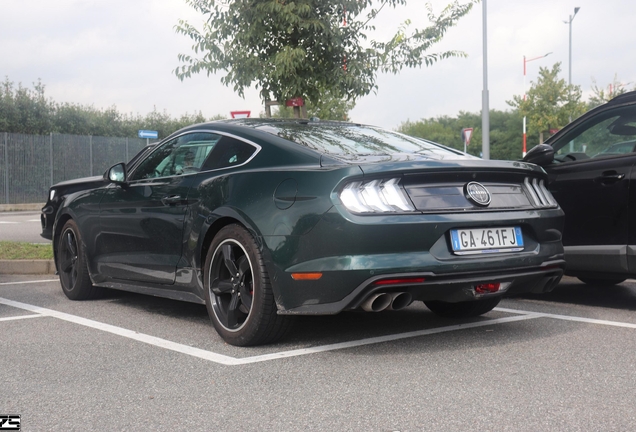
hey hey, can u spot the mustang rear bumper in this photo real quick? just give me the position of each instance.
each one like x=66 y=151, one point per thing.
x=449 y=288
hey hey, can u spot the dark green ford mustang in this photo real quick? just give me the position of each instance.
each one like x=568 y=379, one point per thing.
x=264 y=219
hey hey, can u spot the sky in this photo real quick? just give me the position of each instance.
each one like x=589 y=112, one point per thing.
x=123 y=53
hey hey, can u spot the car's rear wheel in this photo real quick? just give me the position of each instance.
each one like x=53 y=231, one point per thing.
x=602 y=282
x=238 y=292
x=72 y=266
x=463 y=309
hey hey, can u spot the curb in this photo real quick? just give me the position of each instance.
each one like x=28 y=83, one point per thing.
x=27 y=267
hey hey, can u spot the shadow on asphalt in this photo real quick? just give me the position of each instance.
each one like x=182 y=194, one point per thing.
x=312 y=330
x=572 y=291
x=147 y=303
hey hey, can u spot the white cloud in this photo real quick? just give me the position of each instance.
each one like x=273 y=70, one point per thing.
x=117 y=52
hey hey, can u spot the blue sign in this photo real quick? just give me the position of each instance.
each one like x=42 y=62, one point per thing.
x=148 y=134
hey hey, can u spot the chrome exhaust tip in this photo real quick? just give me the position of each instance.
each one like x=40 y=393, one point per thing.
x=377 y=302
x=400 y=300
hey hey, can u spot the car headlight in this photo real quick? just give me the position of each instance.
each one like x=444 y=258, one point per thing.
x=51 y=194
x=376 y=196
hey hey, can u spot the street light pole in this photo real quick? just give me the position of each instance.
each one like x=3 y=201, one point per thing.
x=485 y=109
x=576 y=10
x=524 y=94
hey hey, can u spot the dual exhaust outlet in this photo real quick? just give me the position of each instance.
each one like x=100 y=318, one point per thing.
x=387 y=301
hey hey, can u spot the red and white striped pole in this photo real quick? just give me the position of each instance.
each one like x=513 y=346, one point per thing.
x=524 y=95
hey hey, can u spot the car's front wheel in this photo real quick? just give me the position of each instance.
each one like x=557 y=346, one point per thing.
x=238 y=292
x=463 y=309
x=72 y=266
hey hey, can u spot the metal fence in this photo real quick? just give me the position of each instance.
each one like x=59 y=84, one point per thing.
x=30 y=164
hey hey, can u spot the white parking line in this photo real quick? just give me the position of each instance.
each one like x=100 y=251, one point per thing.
x=21 y=317
x=574 y=318
x=185 y=349
x=520 y=315
x=33 y=220
x=8 y=222
x=29 y=282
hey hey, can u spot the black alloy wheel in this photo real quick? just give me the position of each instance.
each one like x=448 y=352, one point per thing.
x=464 y=309
x=72 y=266
x=232 y=284
x=239 y=296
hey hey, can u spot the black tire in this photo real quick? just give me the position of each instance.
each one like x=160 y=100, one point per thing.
x=238 y=292
x=72 y=266
x=602 y=282
x=463 y=309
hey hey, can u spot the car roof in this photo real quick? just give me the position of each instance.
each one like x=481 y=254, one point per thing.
x=623 y=98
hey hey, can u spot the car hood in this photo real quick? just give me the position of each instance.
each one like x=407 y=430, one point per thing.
x=88 y=181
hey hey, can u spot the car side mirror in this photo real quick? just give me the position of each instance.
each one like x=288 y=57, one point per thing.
x=542 y=155
x=116 y=173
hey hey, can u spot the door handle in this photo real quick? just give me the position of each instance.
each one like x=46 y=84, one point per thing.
x=171 y=200
x=610 y=177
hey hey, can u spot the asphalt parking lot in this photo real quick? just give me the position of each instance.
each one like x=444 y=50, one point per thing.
x=562 y=361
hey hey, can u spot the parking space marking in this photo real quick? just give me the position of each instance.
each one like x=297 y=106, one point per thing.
x=21 y=317
x=141 y=337
x=387 y=338
x=29 y=282
x=519 y=315
x=574 y=318
x=233 y=361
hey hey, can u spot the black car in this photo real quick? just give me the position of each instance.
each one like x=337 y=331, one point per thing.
x=261 y=220
x=60 y=190
x=590 y=164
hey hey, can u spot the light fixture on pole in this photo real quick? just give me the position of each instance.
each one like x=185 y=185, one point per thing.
x=524 y=94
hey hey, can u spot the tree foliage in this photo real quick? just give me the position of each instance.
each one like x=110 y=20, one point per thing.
x=29 y=111
x=600 y=95
x=550 y=103
x=303 y=48
x=505 y=132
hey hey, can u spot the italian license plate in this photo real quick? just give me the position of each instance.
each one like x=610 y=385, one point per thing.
x=486 y=240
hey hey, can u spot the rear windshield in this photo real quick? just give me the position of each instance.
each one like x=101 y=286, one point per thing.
x=350 y=139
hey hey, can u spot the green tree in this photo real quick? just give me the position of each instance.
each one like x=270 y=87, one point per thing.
x=29 y=111
x=505 y=132
x=601 y=96
x=302 y=48
x=550 y=102
x=25 y=110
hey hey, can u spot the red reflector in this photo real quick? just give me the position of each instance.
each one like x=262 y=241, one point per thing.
x=487 y=288
x=306 y=276
x=399 y=281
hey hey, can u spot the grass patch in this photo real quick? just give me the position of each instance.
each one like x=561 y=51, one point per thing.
x=21 y=250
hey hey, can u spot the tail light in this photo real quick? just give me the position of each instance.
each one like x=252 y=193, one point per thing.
x=376 y=196
x=539 y=194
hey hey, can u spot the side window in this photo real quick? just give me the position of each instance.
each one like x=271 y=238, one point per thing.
x=612 y=133
x=228 y=152
x=179 y=156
